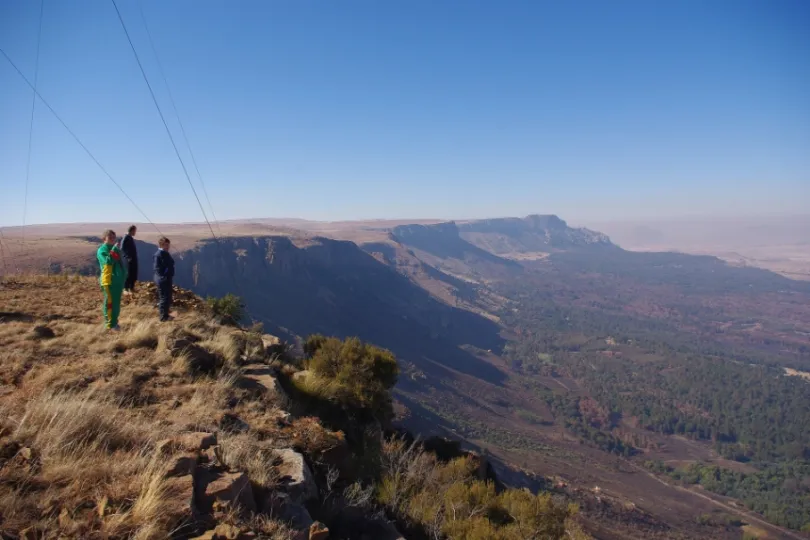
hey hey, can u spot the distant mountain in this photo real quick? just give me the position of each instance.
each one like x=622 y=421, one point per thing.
x=535 y=234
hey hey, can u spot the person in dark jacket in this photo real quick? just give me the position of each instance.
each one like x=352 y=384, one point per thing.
x=164 y=275
x=131 y=256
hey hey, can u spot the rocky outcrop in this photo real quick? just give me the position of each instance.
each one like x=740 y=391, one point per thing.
x=196 y=359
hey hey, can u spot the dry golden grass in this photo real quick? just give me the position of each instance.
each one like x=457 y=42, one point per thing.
x=81 y=414
x=81 y=450
x=244 y=452
x=311 y=384
x=224 y=342
x=143 y=334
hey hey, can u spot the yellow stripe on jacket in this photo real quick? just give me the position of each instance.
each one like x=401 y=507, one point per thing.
x=106 y=275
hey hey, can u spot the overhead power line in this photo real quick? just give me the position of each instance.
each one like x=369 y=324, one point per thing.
x=174 y=144
x=177 y=115
x=31 y=123
x=162 y=118
x=76 y=138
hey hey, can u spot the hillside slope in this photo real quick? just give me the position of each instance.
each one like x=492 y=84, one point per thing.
x=568 y=362
x=192 y=428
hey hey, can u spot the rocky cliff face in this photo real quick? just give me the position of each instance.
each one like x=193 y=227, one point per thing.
x=443 y=247
x=318 y=285
x=535 y=233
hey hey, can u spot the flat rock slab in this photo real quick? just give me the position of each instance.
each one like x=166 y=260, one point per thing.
x=183 y=464
x=233 y=488
x=261 y=379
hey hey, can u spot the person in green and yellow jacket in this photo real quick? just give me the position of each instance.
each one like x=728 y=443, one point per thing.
x=113 y=276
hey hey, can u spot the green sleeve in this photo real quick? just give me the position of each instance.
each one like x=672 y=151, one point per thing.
x=123 y=266
x=103 y=256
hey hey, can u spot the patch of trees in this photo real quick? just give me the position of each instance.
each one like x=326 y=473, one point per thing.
x=780 y=492
x=671 y=385
x=566 y=408
x=733 y=395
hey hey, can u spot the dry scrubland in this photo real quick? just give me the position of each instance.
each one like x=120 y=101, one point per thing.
x=194 y=428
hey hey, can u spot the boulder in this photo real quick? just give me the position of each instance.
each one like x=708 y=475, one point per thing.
x=269 y=341
x=232 y=423
x=183 y=464
x=200 y=361
x=280 y=506
x=182 y=344
x=178 y=340
x=296 y=476
x=301 y=375
x=180 y=507
x=41 y=332
x=233 y=488
x=261 y=380
x=318 y=531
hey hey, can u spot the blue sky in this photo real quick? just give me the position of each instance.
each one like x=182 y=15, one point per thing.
x=389 y=109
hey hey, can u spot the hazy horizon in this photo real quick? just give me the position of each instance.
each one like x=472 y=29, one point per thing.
x=589 y=111
x=576 y=222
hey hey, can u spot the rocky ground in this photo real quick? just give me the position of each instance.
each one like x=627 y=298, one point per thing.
x=162 y=429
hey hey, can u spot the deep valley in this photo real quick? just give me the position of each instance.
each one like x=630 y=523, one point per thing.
x=649 y=387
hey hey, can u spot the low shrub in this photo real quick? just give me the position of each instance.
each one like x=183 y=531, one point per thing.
x=229 y=309
x=354 y=373
x=448 y=500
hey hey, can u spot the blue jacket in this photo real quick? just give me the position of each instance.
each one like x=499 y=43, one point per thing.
x=164 y=266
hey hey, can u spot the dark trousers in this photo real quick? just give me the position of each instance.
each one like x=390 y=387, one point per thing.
x=132 y=275
x=164 y=288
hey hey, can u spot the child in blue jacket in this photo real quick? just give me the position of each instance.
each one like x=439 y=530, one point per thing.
x=164 y=274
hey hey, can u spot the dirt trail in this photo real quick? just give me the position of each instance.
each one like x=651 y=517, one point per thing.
x=561 y=384
x=750 y=516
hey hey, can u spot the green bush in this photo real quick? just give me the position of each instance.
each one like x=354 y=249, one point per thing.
x=447 y=500
x=229 y=309
x=354 y=373
x=313 y=343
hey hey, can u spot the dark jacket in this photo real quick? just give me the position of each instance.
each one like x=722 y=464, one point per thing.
x=164 y=266
x=129 y=249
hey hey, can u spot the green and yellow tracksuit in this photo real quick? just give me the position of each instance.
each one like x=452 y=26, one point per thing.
x=113 y=276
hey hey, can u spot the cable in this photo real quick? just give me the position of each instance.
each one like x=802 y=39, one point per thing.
x=31 y=124
x=163 y=119
x=171 y=138
x=76 y=138
x=177 y=115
